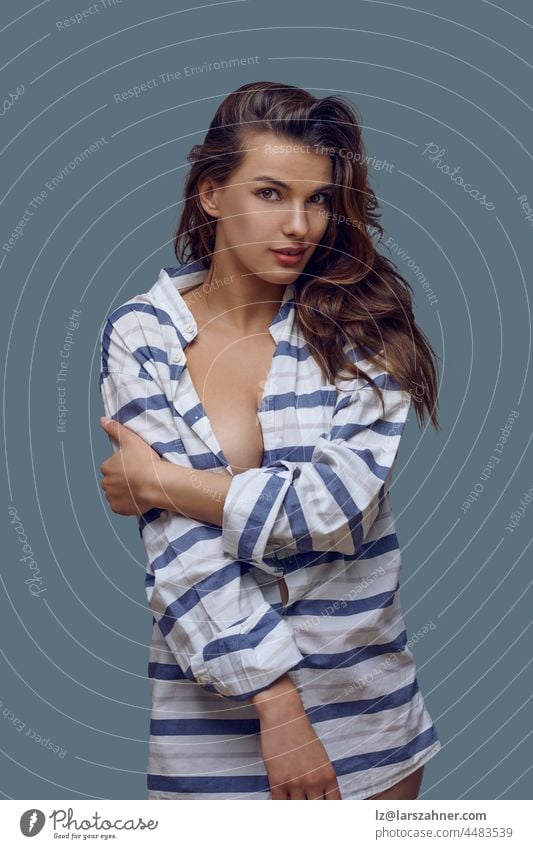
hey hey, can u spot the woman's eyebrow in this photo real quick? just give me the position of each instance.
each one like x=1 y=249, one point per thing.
x=266 y=179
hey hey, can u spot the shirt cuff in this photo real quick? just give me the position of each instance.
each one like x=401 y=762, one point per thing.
x=248 y=656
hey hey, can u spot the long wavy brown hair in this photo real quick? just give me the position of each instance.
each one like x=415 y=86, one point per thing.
x=348 y=290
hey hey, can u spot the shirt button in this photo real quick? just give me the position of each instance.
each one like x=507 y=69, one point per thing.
x=189 y=328
x=177 y=356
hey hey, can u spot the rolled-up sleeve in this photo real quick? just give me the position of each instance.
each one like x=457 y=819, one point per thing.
x=328 y=503
x=210 y=610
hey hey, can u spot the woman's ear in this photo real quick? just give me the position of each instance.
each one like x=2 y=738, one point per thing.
x=208 y=196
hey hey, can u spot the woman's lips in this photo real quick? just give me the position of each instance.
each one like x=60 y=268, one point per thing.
x=286 y=259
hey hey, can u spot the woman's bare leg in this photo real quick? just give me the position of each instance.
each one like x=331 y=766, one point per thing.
x=407 y=788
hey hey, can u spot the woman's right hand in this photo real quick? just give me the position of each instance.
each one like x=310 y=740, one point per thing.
x=297 y=764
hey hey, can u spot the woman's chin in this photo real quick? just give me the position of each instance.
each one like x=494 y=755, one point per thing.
x=281 y=276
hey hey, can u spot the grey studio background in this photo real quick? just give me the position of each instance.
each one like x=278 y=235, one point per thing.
x=91 y=189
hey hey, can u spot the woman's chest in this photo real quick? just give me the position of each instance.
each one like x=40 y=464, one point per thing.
x=244 y=402
x=252 y=403
x=229 y=376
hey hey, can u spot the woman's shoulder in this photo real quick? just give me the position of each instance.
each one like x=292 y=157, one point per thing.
x=138 y=310
x=372 y=371
x=362 y=357
x=145 y=328
x=150 y=311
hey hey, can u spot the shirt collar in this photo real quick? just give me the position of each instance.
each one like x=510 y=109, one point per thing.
x=165 y=293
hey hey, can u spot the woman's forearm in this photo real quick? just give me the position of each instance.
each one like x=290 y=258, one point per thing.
x=279 y=700
x=198 y=494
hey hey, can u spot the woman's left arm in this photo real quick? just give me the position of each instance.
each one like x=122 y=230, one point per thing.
x=326 y=504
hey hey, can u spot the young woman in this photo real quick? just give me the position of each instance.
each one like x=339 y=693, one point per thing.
x=258 y=392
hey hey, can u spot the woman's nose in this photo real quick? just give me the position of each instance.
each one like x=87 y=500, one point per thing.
x=296 y=221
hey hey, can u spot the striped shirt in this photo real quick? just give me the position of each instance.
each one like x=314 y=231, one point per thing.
x=317 y=513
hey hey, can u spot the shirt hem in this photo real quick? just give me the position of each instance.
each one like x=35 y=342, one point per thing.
x=362 y=795
x=386 y=784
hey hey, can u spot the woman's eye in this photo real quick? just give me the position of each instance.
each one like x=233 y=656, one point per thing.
x=261 y=193
x=324 y=195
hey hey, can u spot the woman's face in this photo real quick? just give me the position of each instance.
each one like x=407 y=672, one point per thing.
x=279 y=197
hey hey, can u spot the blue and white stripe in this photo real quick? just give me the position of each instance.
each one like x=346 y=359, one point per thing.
x=316 y=512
